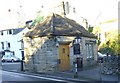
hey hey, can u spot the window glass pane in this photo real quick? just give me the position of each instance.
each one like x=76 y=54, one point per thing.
x=89 y=50
x=2 y=45
x=9 y=45
x=1 y=32
x=63 y=50
x=10 y=31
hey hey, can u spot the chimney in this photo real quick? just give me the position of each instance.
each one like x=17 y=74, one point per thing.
x=63 y=9
x=67 y=9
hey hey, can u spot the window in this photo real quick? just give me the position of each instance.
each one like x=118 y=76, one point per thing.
x=9 y=45
x=3 y=53
x=13 y=53
x=89 y=50
x=63 y=50
x=1 y=32
x=22 y=44
x=2 y=45
x=10 y=32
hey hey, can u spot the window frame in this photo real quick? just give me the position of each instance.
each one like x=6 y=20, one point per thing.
x=89 y=50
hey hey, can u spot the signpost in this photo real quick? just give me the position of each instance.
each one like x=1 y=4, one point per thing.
x=76 y=51
x=100 y=71
x=22 y=61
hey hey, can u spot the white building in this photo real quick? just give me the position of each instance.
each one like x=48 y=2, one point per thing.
x=10 y=41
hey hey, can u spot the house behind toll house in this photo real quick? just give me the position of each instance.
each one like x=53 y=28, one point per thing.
x=10 y=41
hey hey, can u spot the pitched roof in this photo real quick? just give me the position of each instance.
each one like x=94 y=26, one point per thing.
x=57 y=25
x=15 y=30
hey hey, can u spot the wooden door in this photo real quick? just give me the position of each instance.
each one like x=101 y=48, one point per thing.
x=64 y=57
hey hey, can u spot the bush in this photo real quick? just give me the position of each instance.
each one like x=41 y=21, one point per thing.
x=106 y=50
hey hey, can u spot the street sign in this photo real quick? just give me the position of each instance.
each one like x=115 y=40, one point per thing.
x=76 y=49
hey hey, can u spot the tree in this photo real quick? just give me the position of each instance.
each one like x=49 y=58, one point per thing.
x=96 y=30
x=112 y=44
x=39 y=19
x=90 y=28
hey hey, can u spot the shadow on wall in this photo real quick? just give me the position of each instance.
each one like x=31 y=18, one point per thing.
x=41 y=55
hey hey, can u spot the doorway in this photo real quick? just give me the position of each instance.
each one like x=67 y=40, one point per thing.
x=64 y=57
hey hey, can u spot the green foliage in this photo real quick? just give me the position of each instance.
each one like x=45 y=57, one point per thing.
x=96 y=30
x=90 y=29
x=112 y=44
x=40 y=18
x=108 y=50
x=98 y=42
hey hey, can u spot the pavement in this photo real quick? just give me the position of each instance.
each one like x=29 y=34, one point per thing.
x=90 y=74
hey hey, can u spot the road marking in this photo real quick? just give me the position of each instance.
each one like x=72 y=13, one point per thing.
x=33 y=76
x=16 y=76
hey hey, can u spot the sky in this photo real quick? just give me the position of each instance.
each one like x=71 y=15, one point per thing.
x=95 y=11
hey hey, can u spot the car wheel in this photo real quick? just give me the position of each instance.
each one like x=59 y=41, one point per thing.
x=3 y=60
x=12 y=60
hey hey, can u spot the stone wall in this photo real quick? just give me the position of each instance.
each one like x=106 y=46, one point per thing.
x=41 y=54
x=86 y=62
x=89 y=62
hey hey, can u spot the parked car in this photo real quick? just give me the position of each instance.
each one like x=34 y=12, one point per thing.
x=10 y=58
x=100 y=56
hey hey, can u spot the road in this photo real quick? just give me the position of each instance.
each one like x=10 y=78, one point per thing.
x=10 y=74
x=12 y=77
x=16 y=66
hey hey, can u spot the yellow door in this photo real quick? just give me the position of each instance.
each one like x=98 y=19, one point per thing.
x=64 y=57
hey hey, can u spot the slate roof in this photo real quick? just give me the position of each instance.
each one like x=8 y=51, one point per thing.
x=15 y=30
x=56 y=25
